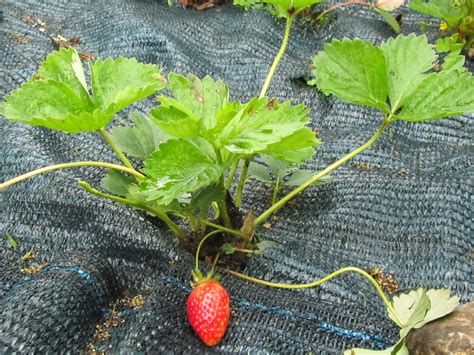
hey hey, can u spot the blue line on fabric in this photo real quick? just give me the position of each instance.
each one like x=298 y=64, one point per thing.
x=377 y=340
x=84 y=275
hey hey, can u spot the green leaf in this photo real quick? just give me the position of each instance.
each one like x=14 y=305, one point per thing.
x=175 y=119
x=353 y=70
x=180 y=167
x=228 y=248
x=260 y=124
x=278 y=168
x=443 y=94
x=116 y=183
x=117 y=83
x=259 y=172
x=407 y=59
x=65 y=66
x=454 y=61
x=295 y=148
x=266 y=244
x=295 y=4
x=411 y=307
x=139 y=140
x=57 y=96
x=203 y=198
x=301 y=176
x=13 y=243
x=449 y=11
x=442 y=303
x=388 y=17
x=398 y=349
x=53 y=105
x=203 y=98
x=449 y=44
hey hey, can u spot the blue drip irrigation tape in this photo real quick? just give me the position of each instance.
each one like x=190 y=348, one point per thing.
x=377 y=340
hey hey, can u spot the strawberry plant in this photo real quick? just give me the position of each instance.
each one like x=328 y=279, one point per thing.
x=457 y=17
x=187 y=161
x=280 y=8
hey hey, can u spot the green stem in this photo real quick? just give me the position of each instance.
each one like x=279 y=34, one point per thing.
x=242 y=180
x=276 y=190
x=224 y=214
x=222 y=228
x=276 y=61
x=232 y=171
x=201 y=243
x=322 y=173
x=336 y=273
x=341 y=4
x=70 y=165
x=154 y=211
x=114 y=147
x=216 y=226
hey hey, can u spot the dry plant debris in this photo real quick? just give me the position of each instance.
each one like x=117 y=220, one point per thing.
x=387 y=281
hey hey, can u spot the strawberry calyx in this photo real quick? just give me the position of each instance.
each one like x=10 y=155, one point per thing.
x=199 y=278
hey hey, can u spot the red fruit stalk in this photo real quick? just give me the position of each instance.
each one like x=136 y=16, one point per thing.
x=209 y=311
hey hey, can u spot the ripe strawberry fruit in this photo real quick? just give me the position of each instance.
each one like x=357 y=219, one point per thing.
x=208 y=309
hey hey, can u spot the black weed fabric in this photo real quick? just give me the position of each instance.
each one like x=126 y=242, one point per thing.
x=405 y=205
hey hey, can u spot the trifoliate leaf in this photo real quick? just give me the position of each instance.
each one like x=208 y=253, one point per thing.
x=116 y=183
x=180 y=167
x=117 y=83
x=295 y=148
x=407 y=59
x=353 y=70
x=139 y=140
x=415 y=92
x=203 y=98
x=54 y=105
x=260 y=124
x=259 y=172
x=442 y=303
x=449 y=11
x=443 y=94
x=175 y=119
x=57 y=97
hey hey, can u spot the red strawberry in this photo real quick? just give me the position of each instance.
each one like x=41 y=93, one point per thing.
x=209 y=311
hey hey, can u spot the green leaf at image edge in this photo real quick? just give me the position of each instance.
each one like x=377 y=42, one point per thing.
x=57 y=96
x=42 y=103
x=444 y=94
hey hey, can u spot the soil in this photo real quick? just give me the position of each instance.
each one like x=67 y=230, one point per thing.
x=212 y=247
